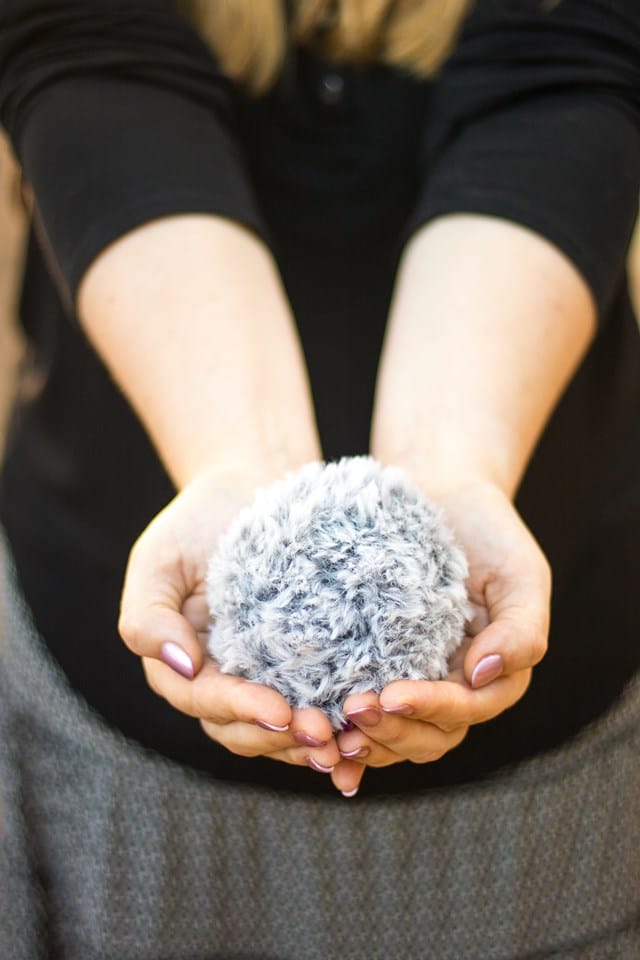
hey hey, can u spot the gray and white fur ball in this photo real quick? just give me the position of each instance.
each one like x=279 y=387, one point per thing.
x=339 y=578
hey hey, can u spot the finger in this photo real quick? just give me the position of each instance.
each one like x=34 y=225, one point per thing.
x=347 y=777
x=516 y=636
x=516 y=641
x=151 y=621
x=247 y=740
x=196 y=610
x=395 y=738
x=219 y=697
x=452 y=704
x=162 y=633
x=376 y=739
x=310 y=727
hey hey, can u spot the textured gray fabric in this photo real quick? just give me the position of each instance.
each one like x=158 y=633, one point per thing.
x=110 y=853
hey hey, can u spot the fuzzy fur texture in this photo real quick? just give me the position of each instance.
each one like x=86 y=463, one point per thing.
x=339 y=578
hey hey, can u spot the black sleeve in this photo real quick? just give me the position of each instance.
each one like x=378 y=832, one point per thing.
x=118 y=114
x=537 y=120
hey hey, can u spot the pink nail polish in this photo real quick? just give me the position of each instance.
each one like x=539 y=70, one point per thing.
x=487 y=670
x=272 y=727
x=316 y=765
x=365 y=717
x=349 y=793
x=178 y=659
x=400 y=710
x=308 y=741
x=358 y=754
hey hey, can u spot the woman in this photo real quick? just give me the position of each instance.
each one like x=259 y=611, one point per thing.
x=478 y=222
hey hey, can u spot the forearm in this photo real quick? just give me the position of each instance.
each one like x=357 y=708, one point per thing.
x=488 y=324
x=190 y=317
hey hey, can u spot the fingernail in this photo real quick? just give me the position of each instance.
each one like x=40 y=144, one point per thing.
x=365 y=717
x=347 y=725
x=178 y=659
x=306 y=740
x=349 y=793
x=273 y=727
x=360 y=753
x=487 y=670
x=316 y=765
x=401 y=710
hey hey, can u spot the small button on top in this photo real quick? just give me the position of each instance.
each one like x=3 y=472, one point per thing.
x=331 y=89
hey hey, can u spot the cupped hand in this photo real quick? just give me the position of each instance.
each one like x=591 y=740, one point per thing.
x=164 y=619
x=509 y=586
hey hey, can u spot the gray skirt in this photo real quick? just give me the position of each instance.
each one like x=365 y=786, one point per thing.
x=110 y=852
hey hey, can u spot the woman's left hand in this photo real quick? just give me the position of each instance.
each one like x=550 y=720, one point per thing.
x=509 y=586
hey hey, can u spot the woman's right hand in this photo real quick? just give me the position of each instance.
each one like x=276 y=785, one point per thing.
x=165 y=619
x=509 y=587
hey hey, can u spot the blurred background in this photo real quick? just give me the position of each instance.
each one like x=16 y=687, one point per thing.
x=12 y=234
x=12 y=230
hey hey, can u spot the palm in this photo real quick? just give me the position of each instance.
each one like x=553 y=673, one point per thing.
x=500 y=550
x=194 y=521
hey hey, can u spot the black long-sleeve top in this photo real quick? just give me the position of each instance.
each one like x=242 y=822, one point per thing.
x=119 y=114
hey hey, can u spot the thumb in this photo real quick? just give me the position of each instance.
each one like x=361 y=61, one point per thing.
x=151 y=622
x=516 y=637
x=517 y=640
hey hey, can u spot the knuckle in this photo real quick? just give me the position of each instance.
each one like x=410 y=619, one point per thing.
x=210 y=729
x=129 y=630
x=452 y=722
x=429 y=757
x=537 y=646
x=451 y=725
x=451 y=714
x=236 y=746
x=460 y=736
x=197 y=704
x=524 y=684
x=437 y=753
x=230 y=698
x=394 y=739
x=381 y=759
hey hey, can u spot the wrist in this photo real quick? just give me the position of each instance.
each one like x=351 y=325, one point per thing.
x=258 y=467
x=447 y=459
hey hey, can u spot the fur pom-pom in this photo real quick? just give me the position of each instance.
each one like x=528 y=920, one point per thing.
x=337 y=579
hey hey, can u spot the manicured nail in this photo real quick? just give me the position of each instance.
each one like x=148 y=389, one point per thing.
x=487 y=670
x=400 y=710
x=273 y=727
x=365 y=717
x=349 y=793
x=359 y=753
x=308 y=741
x=178 y=659
x=320 y=767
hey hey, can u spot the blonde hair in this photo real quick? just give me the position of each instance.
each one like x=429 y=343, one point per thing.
x=250 y=37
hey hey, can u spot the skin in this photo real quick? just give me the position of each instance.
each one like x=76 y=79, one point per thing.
x=488 y=324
